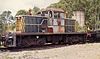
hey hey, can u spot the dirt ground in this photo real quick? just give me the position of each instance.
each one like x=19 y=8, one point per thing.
x=82 y=51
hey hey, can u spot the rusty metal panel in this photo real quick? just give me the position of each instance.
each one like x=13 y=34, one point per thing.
x=58 y=29
x=55 y=21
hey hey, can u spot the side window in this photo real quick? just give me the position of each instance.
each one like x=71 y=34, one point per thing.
x=62 y=15
x=55 y=15
x=50 y=14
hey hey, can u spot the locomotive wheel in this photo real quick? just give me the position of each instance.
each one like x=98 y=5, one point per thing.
x=18 y=43
x=70 y=41
x=65 y=40
x=81 y=40
x=76 y=39
x=24 y=43
x=55 y=42
x=41 y=41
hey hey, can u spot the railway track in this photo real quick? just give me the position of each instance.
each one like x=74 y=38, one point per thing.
x=44 y=47
x=16 y=49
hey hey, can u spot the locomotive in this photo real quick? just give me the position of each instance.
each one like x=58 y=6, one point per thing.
x=47 y=26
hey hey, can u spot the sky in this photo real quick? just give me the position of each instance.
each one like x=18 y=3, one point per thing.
x=15 y=5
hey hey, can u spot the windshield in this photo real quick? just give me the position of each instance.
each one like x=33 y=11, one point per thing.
x=58 y=15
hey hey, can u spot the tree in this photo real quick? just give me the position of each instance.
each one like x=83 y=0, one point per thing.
x=35 y=10
x=90 y=7
x=24 y=12
x=6 y=19
x=21 y=12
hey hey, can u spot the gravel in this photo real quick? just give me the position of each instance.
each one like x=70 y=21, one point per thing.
x=81 y=51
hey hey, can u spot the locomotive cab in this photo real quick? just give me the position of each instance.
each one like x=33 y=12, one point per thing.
x=56 y=19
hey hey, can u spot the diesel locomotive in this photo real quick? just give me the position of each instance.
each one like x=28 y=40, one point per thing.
x=47 y=26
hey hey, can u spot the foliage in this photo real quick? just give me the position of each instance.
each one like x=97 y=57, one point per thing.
x=21 y=12
x=24 y=12
x=90 y=7
x=5 y=19
x=77 y=27
x=35 y=10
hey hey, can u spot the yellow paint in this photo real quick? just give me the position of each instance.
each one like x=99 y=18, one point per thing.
x=19 y=25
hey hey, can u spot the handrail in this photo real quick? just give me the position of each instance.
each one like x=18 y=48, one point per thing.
x=36 y=24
